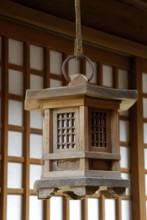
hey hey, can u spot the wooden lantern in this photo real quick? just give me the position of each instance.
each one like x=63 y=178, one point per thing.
x=80 y=137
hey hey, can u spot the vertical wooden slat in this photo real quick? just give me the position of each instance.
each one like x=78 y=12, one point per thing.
x=1 y=150
x=136 y=148
x=26 y=137
x=46 y=150
x=99 y=74
x=46 y=68
x=102 y=208
x=115 y=77
x=83 y=128
x=64 y=56
x=84 y=209
x=3 y=201
x=65 y=208
x=46 y=208
x=118 y=209
x=82 y=66
x=46 y=203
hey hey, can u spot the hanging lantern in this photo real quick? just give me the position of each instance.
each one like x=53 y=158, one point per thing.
x=80 y=137
x=80 y=133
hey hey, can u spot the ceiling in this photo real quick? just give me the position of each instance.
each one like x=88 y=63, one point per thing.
x=123 y=18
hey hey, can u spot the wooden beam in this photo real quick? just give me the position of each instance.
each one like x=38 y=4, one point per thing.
x=137 y=3
x=49 y=23
x=136 y=145
x=15 y=191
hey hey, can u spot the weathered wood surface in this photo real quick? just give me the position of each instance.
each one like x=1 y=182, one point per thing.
x=77 y=187
x=35 y=98
x=141 y=4
x=79 y=167
x=81 y=174
x=80 y=192
x=82 y=154
x=81 y=181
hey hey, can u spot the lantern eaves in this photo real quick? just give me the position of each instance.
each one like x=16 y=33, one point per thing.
x=35 y=98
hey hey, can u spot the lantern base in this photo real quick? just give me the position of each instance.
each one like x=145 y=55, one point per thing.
x=79 y=187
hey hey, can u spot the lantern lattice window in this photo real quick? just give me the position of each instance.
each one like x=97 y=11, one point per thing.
x=66 y=130
x=99 y=129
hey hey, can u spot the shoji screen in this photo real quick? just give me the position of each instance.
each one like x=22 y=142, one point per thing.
x=117 y=77
x=29 y=62
x=15 y=128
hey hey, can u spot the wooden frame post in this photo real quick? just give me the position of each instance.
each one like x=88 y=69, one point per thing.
x=136 y=142
x=3 y=203
x=26 y=139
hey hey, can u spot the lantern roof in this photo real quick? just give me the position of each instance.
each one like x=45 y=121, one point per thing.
x=34 y=98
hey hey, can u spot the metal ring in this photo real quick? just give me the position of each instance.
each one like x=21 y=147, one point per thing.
x=72 y=57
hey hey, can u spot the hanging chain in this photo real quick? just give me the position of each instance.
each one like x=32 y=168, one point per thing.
x=78 y=50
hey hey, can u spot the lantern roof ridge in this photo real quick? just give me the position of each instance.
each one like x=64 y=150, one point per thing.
x=34 y=96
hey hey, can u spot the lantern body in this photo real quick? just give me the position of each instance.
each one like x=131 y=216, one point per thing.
x=80 y=138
